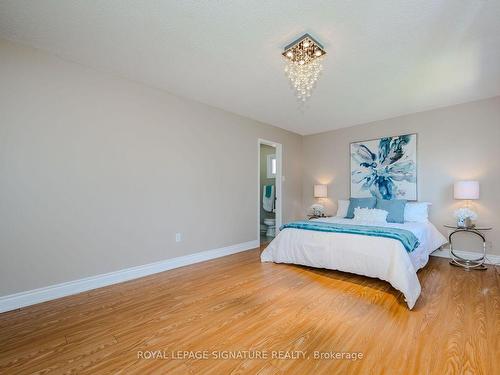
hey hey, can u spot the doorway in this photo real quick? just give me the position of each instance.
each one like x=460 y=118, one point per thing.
x=269 y=190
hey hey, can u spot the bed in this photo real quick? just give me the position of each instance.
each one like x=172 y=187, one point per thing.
x=373 y=256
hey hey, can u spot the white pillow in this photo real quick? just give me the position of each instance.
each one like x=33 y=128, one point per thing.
x=370 y=215
x=342 y=207
x=417 y=211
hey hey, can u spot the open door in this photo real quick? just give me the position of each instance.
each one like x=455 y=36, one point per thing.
x=269 y=187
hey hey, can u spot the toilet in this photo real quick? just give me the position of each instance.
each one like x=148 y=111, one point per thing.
x=271 y=227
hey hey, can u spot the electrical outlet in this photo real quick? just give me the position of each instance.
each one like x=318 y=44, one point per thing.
x=178 y=237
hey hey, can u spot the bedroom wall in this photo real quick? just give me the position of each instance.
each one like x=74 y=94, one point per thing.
x=454 y=143
x=98 y=173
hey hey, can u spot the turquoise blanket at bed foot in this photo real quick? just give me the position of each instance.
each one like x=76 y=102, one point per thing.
x=407 y=238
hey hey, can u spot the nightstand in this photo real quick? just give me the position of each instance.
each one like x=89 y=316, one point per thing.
x=310 y=217
x=468 y=264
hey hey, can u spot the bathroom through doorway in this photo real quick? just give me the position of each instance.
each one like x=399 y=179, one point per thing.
x=269 y=187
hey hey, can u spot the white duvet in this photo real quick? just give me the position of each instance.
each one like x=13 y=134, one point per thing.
x=384 y=258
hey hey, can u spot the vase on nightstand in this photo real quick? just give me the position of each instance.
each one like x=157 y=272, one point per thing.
x=464 y=222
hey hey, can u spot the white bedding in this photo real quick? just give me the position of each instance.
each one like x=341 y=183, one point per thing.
x=384 y=258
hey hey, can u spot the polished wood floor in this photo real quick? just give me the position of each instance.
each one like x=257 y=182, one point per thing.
x=236 y=304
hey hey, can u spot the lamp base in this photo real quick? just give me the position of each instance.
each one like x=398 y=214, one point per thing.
x=464 y=223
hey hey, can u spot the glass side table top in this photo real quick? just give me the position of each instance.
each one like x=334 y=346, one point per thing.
x=480 y=227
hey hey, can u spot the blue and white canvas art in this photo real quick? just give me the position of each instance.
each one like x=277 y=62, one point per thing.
x=385 y=168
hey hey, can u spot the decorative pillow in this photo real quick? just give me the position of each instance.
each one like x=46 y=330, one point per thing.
x=417 y=211
x=371 y=215
x=342 y=207
x=395 y=208
x=361 y=203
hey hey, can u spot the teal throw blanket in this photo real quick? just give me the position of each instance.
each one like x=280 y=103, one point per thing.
x=407 y=238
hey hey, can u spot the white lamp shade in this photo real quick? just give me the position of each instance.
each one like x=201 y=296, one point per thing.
x=320 y=191
x=466 y=190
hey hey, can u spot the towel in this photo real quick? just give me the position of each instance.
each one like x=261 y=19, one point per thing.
x=268 y=198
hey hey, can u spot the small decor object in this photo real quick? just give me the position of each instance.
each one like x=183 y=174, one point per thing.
x=317 y=210
x=467 y=191
x=303 y=65
x=464 y=217
x=385 y=168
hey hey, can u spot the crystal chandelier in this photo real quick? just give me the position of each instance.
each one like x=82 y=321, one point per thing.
x=303 y=59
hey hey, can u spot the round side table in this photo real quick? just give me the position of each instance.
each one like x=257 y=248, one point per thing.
x=468 y=264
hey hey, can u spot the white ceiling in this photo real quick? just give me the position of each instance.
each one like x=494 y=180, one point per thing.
x=385 y=58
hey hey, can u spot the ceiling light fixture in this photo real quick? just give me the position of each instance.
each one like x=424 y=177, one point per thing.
x=303 y=59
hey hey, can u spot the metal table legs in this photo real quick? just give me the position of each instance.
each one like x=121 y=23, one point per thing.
x=467 y=264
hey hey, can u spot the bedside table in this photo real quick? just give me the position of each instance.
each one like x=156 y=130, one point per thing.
x=468 y=264
x=310 y=217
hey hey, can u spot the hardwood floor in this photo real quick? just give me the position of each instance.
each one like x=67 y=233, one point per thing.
x=236 y=304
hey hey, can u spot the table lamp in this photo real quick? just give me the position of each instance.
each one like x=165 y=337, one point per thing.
x=320 y=191
x=467 y=191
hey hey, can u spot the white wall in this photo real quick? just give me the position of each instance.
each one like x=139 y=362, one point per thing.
x=454 y=143
x=98 y=173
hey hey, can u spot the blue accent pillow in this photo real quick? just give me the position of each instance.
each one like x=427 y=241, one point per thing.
x=395 y=208
x=361 y=203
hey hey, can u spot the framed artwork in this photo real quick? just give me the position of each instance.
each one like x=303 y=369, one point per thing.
x=385 y=168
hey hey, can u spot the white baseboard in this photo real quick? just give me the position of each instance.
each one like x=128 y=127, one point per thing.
x=445 y=253
x=31 y=297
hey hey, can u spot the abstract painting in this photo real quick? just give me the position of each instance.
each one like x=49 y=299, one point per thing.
x=385 y=168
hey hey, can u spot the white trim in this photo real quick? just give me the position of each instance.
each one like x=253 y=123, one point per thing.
x=445 y=253
x=278 y=182
x=31 y=297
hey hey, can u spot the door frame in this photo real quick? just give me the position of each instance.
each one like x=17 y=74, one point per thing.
x=278 y=182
